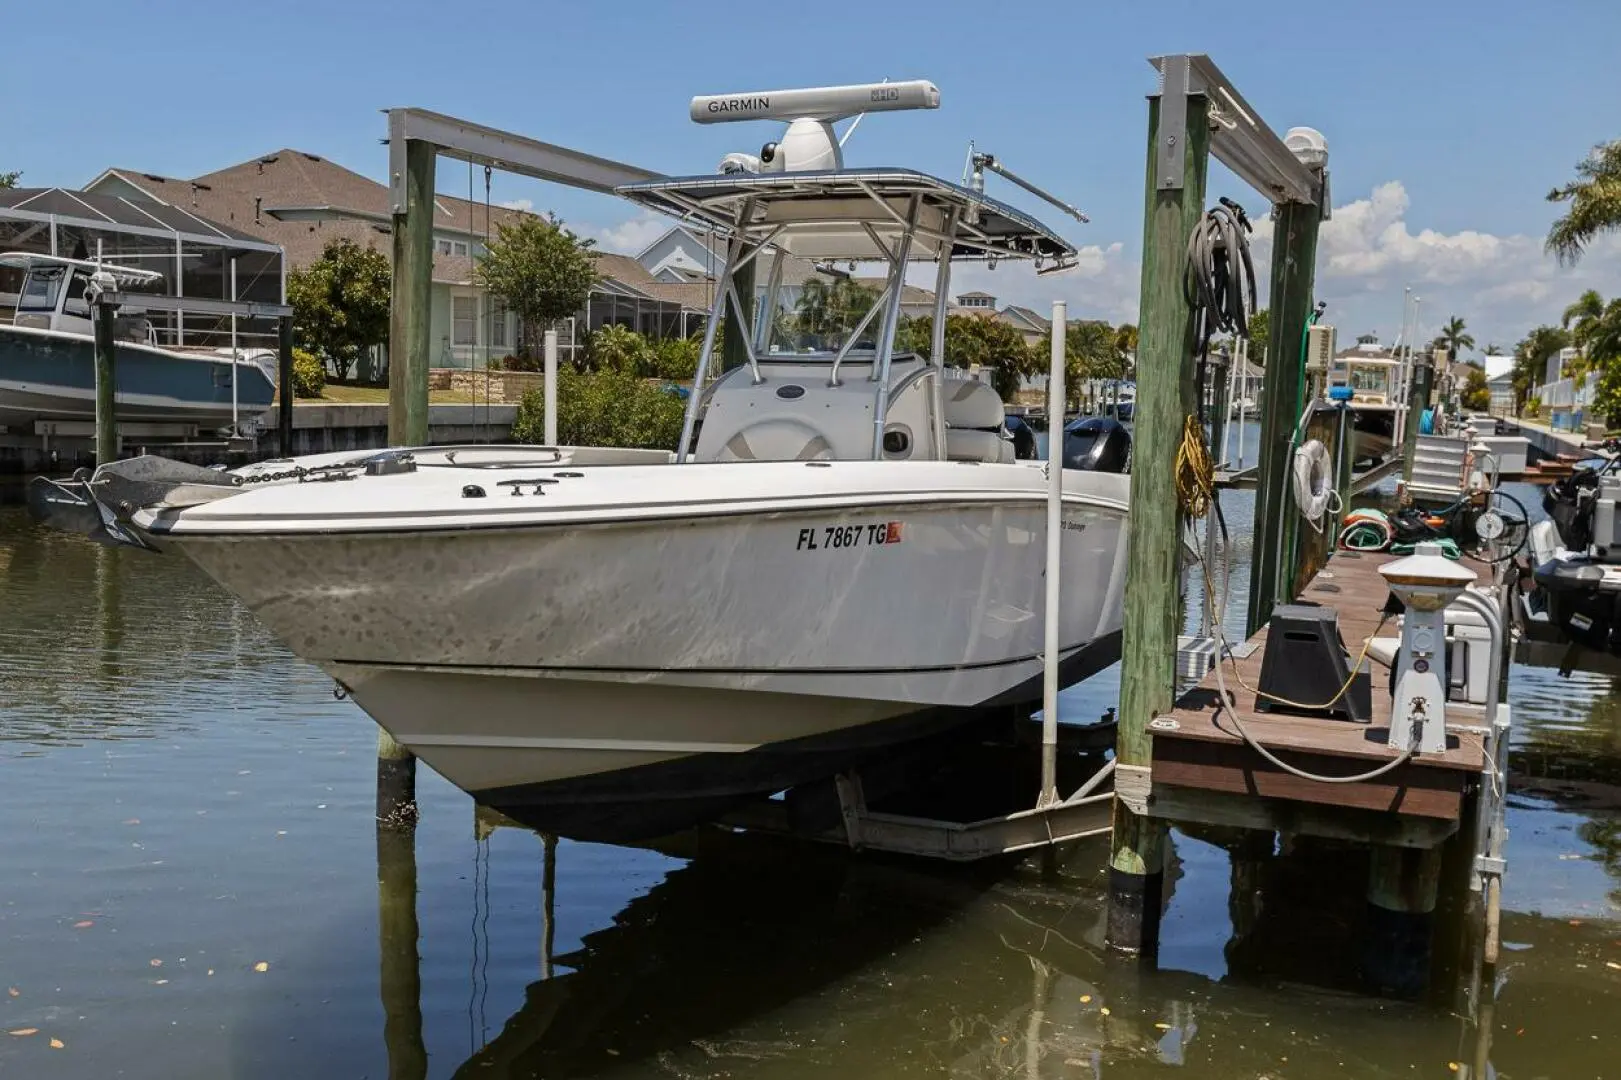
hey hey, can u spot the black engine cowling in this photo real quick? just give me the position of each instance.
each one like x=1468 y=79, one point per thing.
x=1583 y=613
x=1569 y=502
x=1097 y=444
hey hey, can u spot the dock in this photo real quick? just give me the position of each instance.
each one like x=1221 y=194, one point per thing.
x=1203 y=769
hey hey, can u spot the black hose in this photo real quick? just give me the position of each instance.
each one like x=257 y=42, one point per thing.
x=1219 y=282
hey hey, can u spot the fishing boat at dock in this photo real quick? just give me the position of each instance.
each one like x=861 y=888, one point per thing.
x=844 y=553
x=47 y=357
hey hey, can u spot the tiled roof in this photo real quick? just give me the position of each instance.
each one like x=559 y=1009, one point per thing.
x=244 y=196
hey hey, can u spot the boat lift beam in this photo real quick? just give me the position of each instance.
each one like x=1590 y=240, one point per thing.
x=417 y=138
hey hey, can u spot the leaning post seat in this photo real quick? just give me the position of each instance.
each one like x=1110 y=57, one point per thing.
x=974 y=417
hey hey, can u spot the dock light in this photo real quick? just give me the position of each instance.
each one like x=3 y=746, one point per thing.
x=1426 y=582
x=1308 y=146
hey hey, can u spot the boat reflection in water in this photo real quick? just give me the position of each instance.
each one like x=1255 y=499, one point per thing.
x=763 y=959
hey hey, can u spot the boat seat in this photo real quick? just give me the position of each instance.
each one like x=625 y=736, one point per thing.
x=970 y=444
x=970 y=403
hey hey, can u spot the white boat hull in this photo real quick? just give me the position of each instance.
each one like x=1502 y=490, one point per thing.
x=682 y=656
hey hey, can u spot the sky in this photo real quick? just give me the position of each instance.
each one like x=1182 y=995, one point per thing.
x=1447 y=121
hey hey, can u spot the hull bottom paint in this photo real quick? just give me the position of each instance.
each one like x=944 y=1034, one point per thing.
x=649 y=758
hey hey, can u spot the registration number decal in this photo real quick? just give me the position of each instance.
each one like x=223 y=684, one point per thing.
x=872 y=534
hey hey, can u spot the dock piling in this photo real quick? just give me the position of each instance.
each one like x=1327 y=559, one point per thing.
x=396 y=780
x=106 y=412
x=1403 y=883
x=1165 y=398
x=408 y=328
x=1418 y=399
x=1277 y=524
x=284 y=388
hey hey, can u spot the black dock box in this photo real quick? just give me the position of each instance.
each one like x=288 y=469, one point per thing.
x=1305 y=661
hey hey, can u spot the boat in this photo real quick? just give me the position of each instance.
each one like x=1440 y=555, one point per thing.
x=843 y=555
x=47 y=357
x=1372 y=376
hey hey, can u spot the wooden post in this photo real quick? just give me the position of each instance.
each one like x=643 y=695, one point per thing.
x=1418 y=399
x=1165 y=397
x=1277 y=522
x=397 y=934
x=284 y=388
x=411 y=300
x=1402 y=887
x=106 y=401
x=396 y=780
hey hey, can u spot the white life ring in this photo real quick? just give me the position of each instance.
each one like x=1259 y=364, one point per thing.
x=1314 y=482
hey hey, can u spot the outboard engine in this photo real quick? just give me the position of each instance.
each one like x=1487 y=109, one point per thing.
x=1570 y=503
x=1585 y=613
x=1097 y=444
x=1024 y=439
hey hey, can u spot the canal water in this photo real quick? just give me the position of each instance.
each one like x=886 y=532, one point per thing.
x=192 y=886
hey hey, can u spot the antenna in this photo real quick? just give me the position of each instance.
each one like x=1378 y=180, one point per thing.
x=809 y=142
x=981 y=162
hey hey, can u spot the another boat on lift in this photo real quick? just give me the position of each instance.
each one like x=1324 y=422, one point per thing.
x=843 y=554
x=1372 y=375
x=47 y=357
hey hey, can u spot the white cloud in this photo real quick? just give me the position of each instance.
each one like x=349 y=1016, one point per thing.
x=1500 y=285
x=632 y=237
x=526 y=205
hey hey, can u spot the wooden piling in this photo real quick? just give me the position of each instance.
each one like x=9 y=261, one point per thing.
x=1165 y=397
x=1403 y=884
x=396 y=781
x=106 y=399
x=412 y=297
x=1418 y=399
x=284 y=387
x=1277 y=522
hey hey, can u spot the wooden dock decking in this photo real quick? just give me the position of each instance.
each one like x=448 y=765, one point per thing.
x=1199 y=757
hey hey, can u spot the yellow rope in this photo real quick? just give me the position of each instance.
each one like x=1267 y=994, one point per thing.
x=1195 y=472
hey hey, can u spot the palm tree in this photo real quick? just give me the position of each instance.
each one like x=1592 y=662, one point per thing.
x=1582 y=318
x=1595 y=204
x=1453 y=338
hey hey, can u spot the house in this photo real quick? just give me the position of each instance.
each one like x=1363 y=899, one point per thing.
x=977 y=302
x=1501 y=388
x=303 y=201
x=685 y=262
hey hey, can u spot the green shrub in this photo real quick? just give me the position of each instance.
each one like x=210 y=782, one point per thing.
x=673 y=358
x=616 y=348
x=603 y=408
x=309 y=374
x=1533 y=407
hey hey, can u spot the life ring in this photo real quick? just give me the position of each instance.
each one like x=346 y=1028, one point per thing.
x=1313 y=482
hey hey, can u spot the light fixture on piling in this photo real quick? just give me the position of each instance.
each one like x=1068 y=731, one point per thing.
x=1426 y=582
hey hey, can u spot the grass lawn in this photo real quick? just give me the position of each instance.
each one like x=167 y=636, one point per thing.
x=378 y=395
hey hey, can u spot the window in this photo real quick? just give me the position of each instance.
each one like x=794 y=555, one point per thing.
x=41 y=289
x=442 y=246
x=498 y=323
x=464 y=320
x=459 y=247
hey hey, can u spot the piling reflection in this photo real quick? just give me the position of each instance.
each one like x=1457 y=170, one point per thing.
x=397 y=936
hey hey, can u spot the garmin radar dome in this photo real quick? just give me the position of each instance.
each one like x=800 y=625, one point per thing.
x=809 y=144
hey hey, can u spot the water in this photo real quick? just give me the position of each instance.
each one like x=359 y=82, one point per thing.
x=183 y=800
